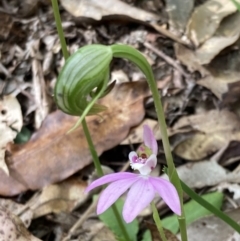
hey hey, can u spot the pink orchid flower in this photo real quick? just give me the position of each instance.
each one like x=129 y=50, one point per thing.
x=142 y=187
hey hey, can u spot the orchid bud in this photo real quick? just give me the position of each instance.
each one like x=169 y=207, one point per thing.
x=83 y=79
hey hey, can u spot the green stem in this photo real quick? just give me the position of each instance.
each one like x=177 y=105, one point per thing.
x=100 y=173
x=120 y=223
x=210 y=207
x=92 y=149
x=124 y=51
x=84 y=124
x=157 y=220
x=59 y=28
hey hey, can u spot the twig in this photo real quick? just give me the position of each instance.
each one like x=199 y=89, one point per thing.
x=170 y=35
x=168 y=59
x=81 y=220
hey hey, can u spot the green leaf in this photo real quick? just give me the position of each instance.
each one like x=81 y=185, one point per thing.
x=23 y=136
x=193 y=211
x=109 y=219
x=147 y=236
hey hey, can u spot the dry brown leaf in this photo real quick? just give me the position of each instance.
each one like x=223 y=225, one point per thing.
x=19 y=210
x=227 y=34
x=218 y=86
x=12 y=228
x=206 y=173
x=39 y=88
x=136 y=133
x=179 y=13
x=10 y=125
x=61 y=197
x=6 y=23
x=231 y=187
x=95 y=9
x=212 y=228
x=52 y=155
x=28 y=7
x=213 y=130
x=188 y=58
x=206 y=19
x=224 y=78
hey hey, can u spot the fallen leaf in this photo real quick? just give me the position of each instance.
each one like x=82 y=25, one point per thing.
x=103 y=233
x=188 y=58
x=231 y=187
x=95 y=9
x=61 y=197
x=136 y=133
x=6 y=23
x=230 y=154
x=227 y=34
x=10 y=125
x=28 y=8
x=12 y=228
x=39 y=88
x=179 y=13
x=213 y=130
x=206 y=173
x=218 y=86
x=206 y=19
x=19 y=210
x=214 y=228
x=52 y=155
x=223 y=79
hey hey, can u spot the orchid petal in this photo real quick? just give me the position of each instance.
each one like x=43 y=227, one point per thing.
x=132 y=156
x=168 y=193
x=139 y=196
x=149 y=165
x=113 y=192
x=149 y=139
x=110 y=178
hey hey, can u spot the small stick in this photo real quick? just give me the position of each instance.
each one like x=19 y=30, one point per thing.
x=168 y=59
x=170 y=35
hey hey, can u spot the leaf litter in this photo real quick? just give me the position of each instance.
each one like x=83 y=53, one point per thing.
x=196 y=67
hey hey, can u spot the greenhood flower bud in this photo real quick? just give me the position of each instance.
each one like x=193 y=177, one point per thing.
x=83 y=79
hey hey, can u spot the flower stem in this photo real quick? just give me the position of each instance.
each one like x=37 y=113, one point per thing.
x=84 y=123
x=100 y=173
x=173 y=176
x=157 y=220
x=210 y=207
x=92 y=149
x=124 y=51
x=59 y=28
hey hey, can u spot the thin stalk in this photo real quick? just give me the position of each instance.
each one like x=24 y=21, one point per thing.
x=92 y=149
x=59 y=28
x=84 y=123
x=121 y=51
x=157 y=221
x=100 y=173
x=210 y=207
